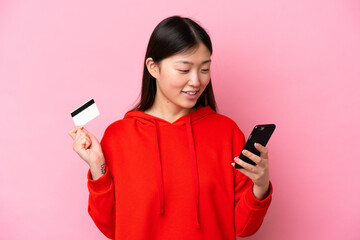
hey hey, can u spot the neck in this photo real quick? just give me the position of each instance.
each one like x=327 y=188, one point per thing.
x=169 y=114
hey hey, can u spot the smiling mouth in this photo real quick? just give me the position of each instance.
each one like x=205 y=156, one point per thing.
x=191 y=92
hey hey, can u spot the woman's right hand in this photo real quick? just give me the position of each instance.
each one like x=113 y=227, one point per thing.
x=89 y=149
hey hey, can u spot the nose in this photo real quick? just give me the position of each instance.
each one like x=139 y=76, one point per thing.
x=194 y=80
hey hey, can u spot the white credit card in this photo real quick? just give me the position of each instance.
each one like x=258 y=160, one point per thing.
x=85 y=113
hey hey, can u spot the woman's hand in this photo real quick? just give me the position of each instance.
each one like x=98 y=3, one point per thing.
x=89 y=149
x=259 y=173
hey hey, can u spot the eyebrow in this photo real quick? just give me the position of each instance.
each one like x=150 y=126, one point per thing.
x=187 y=62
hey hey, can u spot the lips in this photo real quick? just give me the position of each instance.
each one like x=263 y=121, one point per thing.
x=191 y=92
x=189 y=96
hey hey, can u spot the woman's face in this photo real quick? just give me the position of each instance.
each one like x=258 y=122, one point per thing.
x=181 y=78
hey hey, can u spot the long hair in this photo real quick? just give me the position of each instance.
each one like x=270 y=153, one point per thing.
x=171 y=36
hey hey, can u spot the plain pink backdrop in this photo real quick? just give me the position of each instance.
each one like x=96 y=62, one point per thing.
x=294 y=63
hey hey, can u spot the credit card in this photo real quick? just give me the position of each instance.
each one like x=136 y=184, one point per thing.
x=85 y=113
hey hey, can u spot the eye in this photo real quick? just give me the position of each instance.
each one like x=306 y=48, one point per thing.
x=183 y=71
x=205 y=70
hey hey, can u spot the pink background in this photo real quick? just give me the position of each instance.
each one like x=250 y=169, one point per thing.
x=295 y=63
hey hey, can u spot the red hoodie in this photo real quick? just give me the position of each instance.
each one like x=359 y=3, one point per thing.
x=174 y=180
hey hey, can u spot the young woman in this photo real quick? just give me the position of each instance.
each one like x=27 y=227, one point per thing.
x=165 y=170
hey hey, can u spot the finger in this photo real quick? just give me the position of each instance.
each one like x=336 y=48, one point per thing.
x=85 y=142
x=255 y=158
x=246 y=173
x=260 y=162
x=82 y=143
x=78 y=135
x=92 y=137
x=88 y=133
x=73 y=131
x=88 y=141
x=246 y=165
x=263 y=150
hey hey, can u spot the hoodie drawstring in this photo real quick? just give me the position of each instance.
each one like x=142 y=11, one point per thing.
x=194 y=168
x=159 y=172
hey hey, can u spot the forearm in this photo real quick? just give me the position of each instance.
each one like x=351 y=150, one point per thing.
x=250 y=212
x=102 y=203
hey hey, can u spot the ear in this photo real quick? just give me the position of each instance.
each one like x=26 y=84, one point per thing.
x=152 y=67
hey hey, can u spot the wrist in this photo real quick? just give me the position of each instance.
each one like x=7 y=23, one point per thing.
x=261 y=192
x=97 y=169
x=97 y=162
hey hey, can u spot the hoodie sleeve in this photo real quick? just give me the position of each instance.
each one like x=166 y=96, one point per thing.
x=101 y=206
x=249 y=211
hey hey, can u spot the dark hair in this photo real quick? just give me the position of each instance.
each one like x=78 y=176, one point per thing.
x=171 y=36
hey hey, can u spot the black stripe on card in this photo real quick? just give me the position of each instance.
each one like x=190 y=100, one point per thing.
x=83 y=107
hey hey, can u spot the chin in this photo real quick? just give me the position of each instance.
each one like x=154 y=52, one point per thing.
x=188 y=106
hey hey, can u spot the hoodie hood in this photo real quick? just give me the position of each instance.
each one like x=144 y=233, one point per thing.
x=188 y=120
x=196 y=115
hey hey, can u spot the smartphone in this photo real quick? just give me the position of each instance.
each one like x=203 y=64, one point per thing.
x=260 y=134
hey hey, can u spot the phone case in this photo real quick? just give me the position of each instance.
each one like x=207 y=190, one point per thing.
x=260 y=134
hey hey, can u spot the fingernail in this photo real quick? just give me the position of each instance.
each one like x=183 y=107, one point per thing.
x=244 y=151
x=233 y=164
x=256 y=144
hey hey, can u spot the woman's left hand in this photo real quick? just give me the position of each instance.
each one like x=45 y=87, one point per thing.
x=258 y=173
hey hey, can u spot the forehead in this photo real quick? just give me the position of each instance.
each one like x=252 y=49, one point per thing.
x=198 y=54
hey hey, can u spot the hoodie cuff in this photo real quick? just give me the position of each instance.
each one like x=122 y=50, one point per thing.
x=253 y=202
x=102 y=184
